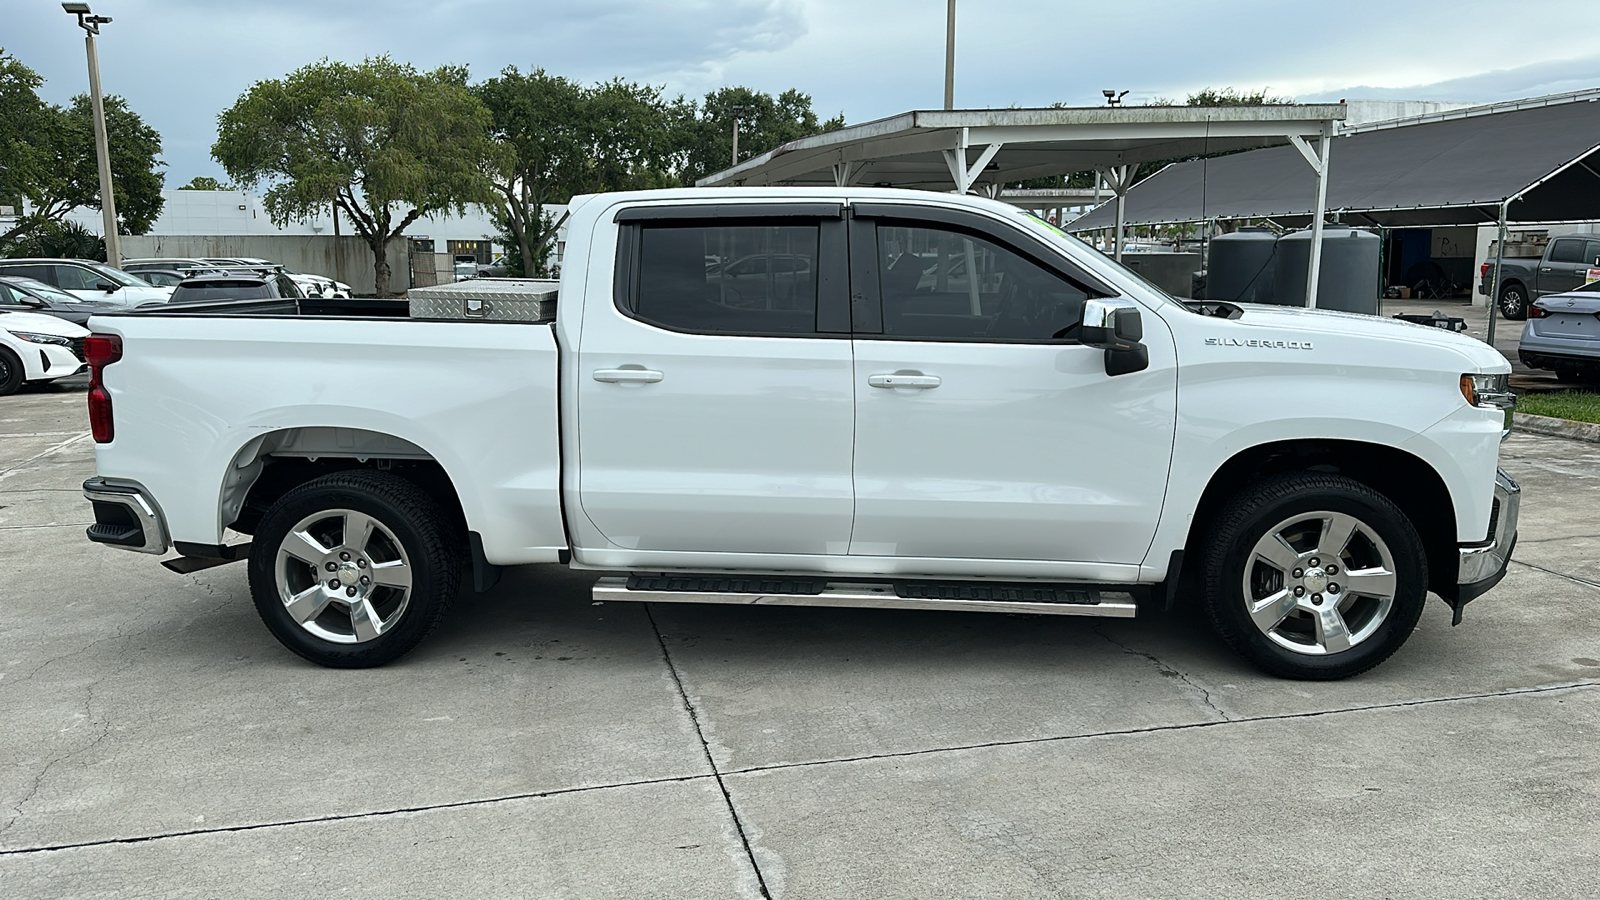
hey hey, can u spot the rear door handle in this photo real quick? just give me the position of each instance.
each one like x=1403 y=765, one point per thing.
x=627 y=375
x=904 y=380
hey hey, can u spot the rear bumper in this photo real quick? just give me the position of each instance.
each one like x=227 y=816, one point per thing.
x=1484 y=563
x=126 y=516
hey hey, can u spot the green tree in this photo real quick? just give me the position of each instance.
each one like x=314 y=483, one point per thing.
x=562 y=138
x=704 y=131
x=206 y=183
x=47 y=156
x=384 y=142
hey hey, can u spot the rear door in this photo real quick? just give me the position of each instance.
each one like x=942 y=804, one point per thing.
x=715 y=401
x=983 y=431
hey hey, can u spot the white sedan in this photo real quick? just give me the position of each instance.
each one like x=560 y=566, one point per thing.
x=38 y=348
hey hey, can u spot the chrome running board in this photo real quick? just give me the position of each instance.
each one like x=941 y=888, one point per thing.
x=650 y=589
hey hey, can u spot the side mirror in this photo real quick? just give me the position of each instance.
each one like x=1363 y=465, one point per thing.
x=1115 y=326
x=33 y=302
x=106 y=286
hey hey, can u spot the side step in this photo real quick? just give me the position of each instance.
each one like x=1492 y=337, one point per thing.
x=966 y=596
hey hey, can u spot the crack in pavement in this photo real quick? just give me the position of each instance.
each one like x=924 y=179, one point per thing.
x=1165 y=670
x=705 y=748
x=753 y=770
x=1572 y=578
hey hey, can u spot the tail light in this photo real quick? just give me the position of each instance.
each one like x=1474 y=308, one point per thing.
x=100 y=350
x=1483 y=270
x=1535 y=311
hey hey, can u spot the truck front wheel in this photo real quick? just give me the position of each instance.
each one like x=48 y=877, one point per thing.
x=1314 y=576
x=355 y=568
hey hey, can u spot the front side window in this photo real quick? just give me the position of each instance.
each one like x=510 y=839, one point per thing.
x=77 y=278
x=942 y=284
x=1591 y=253
x=750 y=278
x=161 y=279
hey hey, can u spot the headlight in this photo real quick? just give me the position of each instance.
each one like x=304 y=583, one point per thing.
x=1488 y=391
x=34 y=338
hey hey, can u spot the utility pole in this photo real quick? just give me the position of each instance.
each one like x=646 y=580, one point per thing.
x=108 y=204
x=950 y=57
x=738 y=113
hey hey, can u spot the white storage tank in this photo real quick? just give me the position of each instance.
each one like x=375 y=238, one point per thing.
x=1349 y=269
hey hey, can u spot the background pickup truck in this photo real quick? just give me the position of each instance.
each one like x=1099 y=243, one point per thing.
x=1568 y=262
x=918 y=401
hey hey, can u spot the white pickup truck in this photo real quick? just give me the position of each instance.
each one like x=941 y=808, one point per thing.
x=843 y=397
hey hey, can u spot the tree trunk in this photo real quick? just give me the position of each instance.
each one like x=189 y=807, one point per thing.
x=380 y=265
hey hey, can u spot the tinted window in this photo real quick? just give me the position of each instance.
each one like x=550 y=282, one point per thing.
x=160 y=279
x=287 y=287
x=8 y=298
x=225 y=290
x=76 y=278
x=765 y=284
x=1591 y=253
x=942 y=284
x=41 y=273
x=1566 y=251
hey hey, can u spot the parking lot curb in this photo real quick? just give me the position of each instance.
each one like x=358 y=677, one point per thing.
x=1577 y=431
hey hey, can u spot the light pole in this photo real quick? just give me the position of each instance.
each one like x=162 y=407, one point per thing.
x=108 y=205
x=738 y=113
x=950 y=57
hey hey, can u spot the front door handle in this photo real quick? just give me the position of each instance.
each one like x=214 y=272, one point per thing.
x=915 y=380
x=627 y=375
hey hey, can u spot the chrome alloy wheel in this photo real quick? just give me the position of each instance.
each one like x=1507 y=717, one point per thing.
x=1319 y=583
x=343 y=576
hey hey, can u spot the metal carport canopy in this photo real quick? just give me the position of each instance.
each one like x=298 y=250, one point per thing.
x=1450 y=168
x=929 y=149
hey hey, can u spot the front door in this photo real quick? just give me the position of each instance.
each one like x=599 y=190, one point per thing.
x=982 y=431
x=1567 y=265
x=715 y=413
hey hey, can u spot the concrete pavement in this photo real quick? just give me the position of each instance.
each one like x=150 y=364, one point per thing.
x=158 y=742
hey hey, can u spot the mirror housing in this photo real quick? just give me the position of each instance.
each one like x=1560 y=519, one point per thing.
x=1115 y=326
x=33 y=303
x=106 y=286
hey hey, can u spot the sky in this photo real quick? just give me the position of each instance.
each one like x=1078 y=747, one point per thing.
x=181 y=62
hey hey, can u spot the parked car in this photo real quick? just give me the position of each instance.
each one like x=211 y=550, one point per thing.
x=1567 y=263
x=165 y=278
x=310 y=285
x=87 y=280
x=1069 y=445
x=466 y=266
x=1563 y=334
x=235 y=286
x=31 y=296
x=34 y=347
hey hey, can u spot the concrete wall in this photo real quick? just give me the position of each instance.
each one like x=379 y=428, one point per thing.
x=350 y=261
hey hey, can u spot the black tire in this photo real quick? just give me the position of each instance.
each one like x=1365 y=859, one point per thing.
x=412 y=530
x=11 y=372
x=1252 y=515
x=1514 y=301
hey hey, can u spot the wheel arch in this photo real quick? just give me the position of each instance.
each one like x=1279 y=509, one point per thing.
x=270 y=465
x=1406 y=479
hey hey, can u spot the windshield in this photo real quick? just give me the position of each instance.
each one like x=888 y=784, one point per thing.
x=119 y=276
x=1055 y=235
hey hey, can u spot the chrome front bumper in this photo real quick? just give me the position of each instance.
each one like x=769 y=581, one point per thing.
x=125 y=516
x=1483 y=564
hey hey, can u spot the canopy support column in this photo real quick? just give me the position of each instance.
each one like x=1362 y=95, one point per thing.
x=962 y=174
x=1499 y=257
x=1118 y=177
x=1318 y=159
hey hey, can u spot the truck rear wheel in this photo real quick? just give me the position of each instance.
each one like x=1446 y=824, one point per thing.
x=354 y=569
x=1514 y=301
x=1314 y=576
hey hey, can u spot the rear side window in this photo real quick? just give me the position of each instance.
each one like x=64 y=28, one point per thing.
x=39 y=273
x=753 y=278
x=186 y=293
x=1569 y=251
x=287 y=287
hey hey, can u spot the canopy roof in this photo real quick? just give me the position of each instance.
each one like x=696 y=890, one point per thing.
x=928 y=148
x=1450 y=168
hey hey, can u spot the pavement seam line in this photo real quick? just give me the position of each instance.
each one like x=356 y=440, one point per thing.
x=1157 y=729
x=61 y=446
x=1573 y=578
x=346 y=817
x=705 y=748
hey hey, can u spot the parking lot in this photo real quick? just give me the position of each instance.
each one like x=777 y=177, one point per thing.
x=159 y=742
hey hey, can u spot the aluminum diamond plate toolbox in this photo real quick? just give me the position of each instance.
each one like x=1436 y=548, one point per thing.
x=488 y=299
